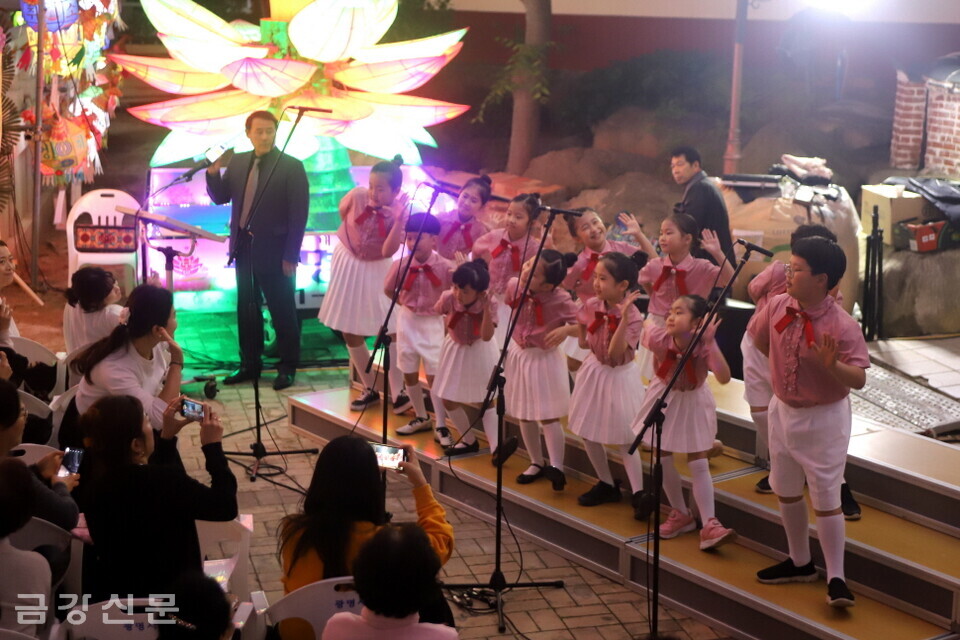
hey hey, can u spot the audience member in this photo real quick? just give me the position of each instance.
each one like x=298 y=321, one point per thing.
x=92 y=312
x=343 y=509
x=26 y=575
x=204 y=613
x=142 y=516
x=8 y=267
x=395 y=574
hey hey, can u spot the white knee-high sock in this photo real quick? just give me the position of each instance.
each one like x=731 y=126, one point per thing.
x=672 y=487
x=490 y=429
x=633 y=467
x=553 y=434
x=462 y=422
x=598 y=458
x=832 y=532
x=358 y=358
x=763 y=438
x=415 y=391
x=438 y=409
x=530 y=431
x=795 y=524
x=702 y=487
x=396 y=376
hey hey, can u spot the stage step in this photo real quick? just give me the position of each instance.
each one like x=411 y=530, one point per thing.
x=892 y=562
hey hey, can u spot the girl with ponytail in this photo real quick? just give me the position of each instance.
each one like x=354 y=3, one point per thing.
x=92 y=311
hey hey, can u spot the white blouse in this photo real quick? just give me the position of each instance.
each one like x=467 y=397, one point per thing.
x=81 y=328
x=126 y=372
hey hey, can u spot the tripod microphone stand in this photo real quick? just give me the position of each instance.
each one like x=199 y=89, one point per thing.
x=498 y=583
x=655 y=419
x=251 y=353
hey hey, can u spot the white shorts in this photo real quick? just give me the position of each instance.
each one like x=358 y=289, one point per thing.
x=757 y=390
x=418 y=338
x=572 y=349
x=809 y=443
x=503 y=320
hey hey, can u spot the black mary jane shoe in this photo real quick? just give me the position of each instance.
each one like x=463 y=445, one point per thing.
x=556 y=477
x=462 y=449
x=524 y=478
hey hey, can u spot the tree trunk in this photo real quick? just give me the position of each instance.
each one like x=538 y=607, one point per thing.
x=526 y=111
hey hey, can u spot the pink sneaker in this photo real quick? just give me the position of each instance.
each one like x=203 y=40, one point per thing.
x=713 y=534
x=676 y=524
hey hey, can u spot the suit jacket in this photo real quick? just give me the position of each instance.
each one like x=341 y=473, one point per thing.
x=281 y=215
x=703 y=200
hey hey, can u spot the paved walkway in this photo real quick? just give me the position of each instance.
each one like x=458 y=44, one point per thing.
x=589 y=607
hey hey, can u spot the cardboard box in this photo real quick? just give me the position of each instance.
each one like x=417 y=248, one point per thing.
x=925 y=237
x=894 y=205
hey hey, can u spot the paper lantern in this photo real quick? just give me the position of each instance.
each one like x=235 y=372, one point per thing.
x=60 y=13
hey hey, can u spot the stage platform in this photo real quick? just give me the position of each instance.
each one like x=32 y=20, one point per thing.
x=902 y=559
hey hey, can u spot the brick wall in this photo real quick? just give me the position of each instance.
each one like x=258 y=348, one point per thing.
x=943 y=131
x=908 y=122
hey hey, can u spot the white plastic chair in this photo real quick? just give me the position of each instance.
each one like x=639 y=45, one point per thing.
x=35 y=352
x=316 y=603
x=100 y=206
x=34 y=405
x=38 y=532
x=30 y=453
x=232 y=572
x=91 y=623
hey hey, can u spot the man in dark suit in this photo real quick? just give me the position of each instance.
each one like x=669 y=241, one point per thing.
x=270 y=197
x=701 y=199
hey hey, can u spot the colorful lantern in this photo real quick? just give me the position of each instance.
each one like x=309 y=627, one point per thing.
x=60 y=13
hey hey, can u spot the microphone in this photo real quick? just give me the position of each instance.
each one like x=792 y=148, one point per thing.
x=186 y=177
x=753 y=247
x=311 y=109
x=439 y=188
x=566 y=212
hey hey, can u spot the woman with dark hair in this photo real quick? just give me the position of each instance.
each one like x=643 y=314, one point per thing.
x=138 y=495
x=204 y=613
x=8 y=268
x=343 y=509
x=132 y=359
x=395 y=573
x=92 y=311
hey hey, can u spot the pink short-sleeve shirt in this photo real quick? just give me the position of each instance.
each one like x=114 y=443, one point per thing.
x=424 y=284
x=503 y=256
x=669 y=281
x=463 y=323
x=580 y=276
x=798 y=378
x=600 y=323
x=542 y=313
x=457 y=235
x=770 y=282
x=666 y=357
x=364 y=228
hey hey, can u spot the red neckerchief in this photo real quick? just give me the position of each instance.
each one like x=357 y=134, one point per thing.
x=380 y=215
x=613 y=321
x=681 y=282
x=789 y=317
x=514 y=252
x=537 y=307
x=476 y=319
x=457 y=225
x=591 y=265
x=669 y=361
x=426 y=270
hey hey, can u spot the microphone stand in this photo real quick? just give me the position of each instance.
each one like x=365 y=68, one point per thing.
x=251 y=353
x=655 y=418
x=383 y=338
x=498 y=583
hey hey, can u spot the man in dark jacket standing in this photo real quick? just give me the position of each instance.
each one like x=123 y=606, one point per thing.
x=701 y=199
x=270 y=197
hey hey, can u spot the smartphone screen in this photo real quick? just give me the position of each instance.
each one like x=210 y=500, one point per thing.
x=71 y=462
x=191 y=409
x=388 y=457
x=213 y=153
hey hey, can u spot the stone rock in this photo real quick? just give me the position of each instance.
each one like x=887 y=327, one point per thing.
x=652 y=134
x=631 y=130
x=916 y=300
x=579 y=168
x=643 y=195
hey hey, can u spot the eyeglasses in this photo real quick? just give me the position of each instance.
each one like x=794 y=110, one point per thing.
x=790 y=270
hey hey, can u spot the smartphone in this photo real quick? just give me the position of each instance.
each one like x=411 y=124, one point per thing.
x=389 y=457
x=191 y=409
x=71 y=462
x=213 y=153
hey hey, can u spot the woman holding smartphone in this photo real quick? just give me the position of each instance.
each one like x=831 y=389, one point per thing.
x=343 y=509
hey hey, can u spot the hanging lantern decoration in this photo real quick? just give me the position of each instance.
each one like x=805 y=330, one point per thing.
x=63 y=152
x=60 y=13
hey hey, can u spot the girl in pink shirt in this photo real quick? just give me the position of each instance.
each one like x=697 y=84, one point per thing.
x=504 y=250
x=354 y=303
x=610 y=326
x=468 y=354
x=538 y=388
x=459 y=229
x=690 y=418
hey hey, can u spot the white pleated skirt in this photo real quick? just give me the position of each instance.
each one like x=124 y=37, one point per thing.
x=355 y=302
x=605 y=402
x=572 y=349
x=537 y=383
x=645 y=356
x=465 y=370
x=503 y=320
x=690 y=418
